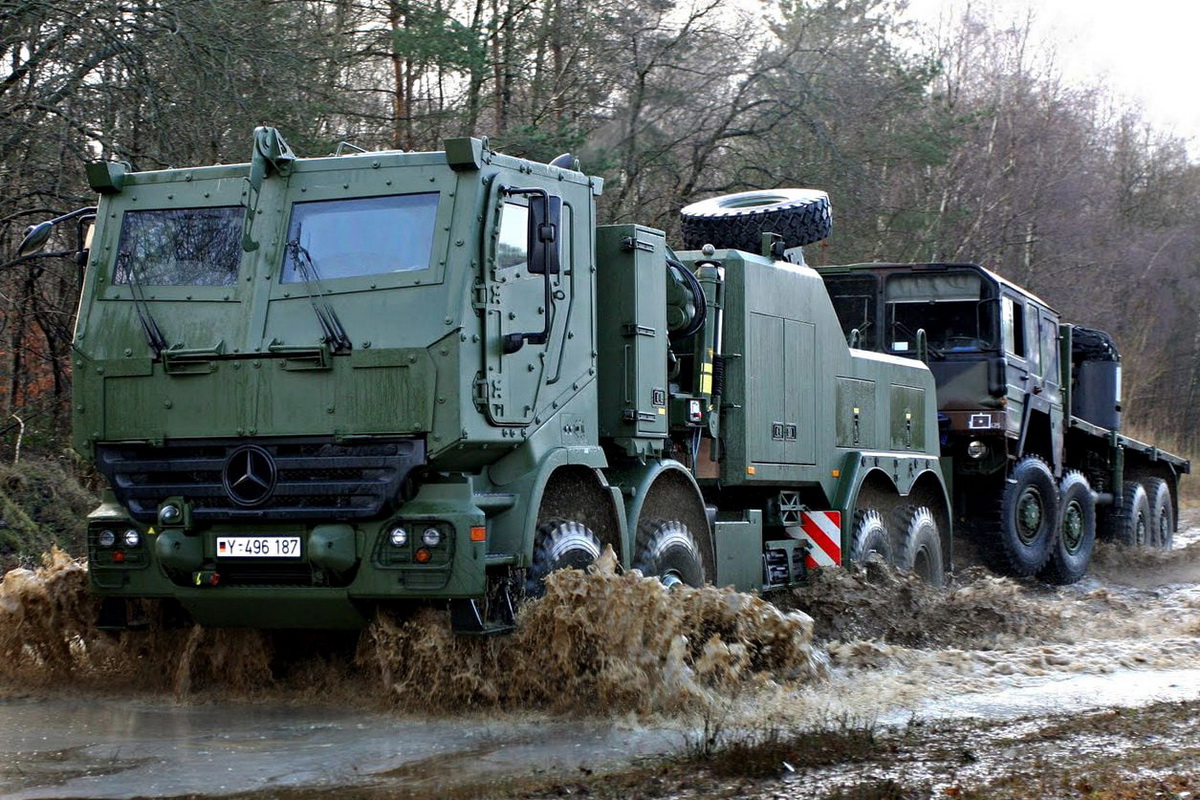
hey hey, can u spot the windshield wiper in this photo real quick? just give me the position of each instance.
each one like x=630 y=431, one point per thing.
x=334 y=333
x=154 y=334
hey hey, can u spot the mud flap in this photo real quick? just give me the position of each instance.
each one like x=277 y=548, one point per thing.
x=469 y=617
x=114 y=616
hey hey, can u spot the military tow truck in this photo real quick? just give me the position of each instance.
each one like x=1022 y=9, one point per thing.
x=318 y=386
x=1030 y=413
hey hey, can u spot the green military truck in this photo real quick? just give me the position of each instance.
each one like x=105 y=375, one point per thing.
x=319 y=386
x=1030 y=413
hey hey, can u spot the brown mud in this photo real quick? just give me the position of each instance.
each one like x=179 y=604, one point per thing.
x=599 y=643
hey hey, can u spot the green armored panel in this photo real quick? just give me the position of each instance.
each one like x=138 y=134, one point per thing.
x=631 y=331
x=779 y=415
x=907 y=418
x=856 y=414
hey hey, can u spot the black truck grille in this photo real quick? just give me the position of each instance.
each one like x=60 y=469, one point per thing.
x=270 y=479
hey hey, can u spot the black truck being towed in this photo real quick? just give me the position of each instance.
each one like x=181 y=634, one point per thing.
x=1029 y=409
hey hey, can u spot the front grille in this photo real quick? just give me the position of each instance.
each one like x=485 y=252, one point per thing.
x=314 y=479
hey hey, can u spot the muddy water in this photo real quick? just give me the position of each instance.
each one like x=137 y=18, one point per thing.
x=605 y=668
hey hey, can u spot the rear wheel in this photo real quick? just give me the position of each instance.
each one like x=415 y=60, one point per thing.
x=1028 y=518
x=921 y=547
x=1161 y=530
x=668 y=551
x=1072 y=548
x=870 y=536
x=1129 y=525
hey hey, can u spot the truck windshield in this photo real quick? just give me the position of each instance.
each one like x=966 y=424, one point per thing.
x=950 y=307
x=363 y=236
x=180 y=247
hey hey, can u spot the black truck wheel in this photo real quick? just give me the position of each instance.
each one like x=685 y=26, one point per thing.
x=870 y=536
x=738 y=221
x=560 y=544
x=921 y=547
x=668 y=551
x=1161 y=530
x=1129 y=526
x=1028 y=518
x=1072 y=548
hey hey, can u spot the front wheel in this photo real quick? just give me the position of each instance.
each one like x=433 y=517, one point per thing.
x=1072 y=548
x=1028 y=518
x=668 y=551
x=560 y=544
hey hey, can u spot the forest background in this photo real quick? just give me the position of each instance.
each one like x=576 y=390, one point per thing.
x=960 y=143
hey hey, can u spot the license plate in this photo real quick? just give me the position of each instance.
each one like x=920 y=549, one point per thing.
x=258 y=547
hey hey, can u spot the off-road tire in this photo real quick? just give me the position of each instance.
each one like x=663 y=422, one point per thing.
x=1160 y=532
x=870 y=535
x=667 y=550
x=738 y=221
x=560 y=544
x=1028 y=517
x=1072 y=549
x=921 y=547
x=1130 y=525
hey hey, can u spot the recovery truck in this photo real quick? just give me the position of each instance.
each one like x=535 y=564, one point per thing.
x=319 y=386
x=1029 y=409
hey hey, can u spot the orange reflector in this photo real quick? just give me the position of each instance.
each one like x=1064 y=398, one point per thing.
x=478 y=533
x=836 y=473
x=750 y=470
x=422 y=556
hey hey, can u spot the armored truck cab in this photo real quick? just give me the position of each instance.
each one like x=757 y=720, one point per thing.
x=317 y=386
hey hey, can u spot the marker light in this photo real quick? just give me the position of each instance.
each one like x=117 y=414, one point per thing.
x=398 y=537
x=432 y=537
x=107 y=538
x=132 y=538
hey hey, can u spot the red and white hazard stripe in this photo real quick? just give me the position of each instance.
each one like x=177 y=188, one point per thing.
x=823 y=529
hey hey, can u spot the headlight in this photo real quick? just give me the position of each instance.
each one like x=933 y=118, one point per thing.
x=132 y=538
x=976 y=449
x=398 y=537
x=432 y=537
x=107 y=538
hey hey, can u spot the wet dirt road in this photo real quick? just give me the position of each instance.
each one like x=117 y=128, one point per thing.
x=113 y=748
x=1129 y=635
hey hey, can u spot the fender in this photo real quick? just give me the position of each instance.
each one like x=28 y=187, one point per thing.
x=533 y=485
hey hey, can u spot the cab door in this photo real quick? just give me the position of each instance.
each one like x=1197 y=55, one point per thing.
x=520 y=304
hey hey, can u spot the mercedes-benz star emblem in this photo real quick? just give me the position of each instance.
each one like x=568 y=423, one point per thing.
x=249 y=475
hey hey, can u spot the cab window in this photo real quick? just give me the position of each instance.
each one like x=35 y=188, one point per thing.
x=180 y=247
x=512 y=246
x=331 y=239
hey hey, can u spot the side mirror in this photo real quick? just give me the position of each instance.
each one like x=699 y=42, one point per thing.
x=36 y=237
x=545 y=220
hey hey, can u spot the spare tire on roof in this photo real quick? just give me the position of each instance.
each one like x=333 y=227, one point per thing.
x=738 y=221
